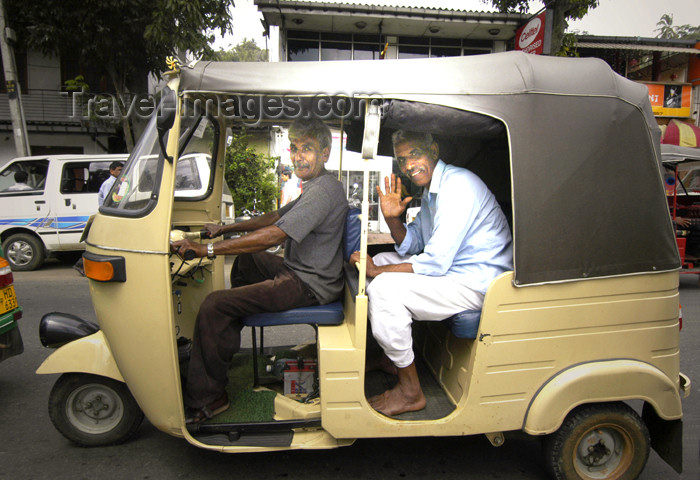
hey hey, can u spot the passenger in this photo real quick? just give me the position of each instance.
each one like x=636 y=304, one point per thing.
x=444 y=259
x=309 y=274
x=21 y=178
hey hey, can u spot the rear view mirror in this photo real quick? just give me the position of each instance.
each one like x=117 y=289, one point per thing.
x=166 y=118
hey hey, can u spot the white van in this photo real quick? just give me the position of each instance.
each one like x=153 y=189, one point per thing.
x=49 y=214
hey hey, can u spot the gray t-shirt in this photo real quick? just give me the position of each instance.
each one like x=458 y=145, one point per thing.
x=315 y=224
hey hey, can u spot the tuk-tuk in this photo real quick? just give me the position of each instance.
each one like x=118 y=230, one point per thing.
x=682 y=182
x=10 y=312
x=586 y=321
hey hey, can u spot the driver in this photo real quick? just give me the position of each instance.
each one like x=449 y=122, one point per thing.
x=309 y=274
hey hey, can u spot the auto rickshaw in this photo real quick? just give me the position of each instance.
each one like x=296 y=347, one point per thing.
x=682 y=182
x=585 y=323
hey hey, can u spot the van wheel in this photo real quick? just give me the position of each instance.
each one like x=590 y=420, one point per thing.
x=93 y=411
x=598 y=441
x=24 y=252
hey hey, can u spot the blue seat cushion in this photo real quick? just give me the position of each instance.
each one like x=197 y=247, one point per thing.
x=464 y=324
x=330 y=314
x=353 y=233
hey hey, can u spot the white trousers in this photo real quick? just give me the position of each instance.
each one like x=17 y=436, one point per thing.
x=396 y=299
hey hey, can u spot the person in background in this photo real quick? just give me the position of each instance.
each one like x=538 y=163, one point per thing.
x=290 y=186
x=115 y=169
x=21 y=178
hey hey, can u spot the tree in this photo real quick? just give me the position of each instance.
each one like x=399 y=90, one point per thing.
x=667 y=30
x=562 y=10
x=124 y=39
x=248 y=176
x=246 y=51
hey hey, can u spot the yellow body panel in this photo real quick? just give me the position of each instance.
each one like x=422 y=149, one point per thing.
x=526 y=337
x=89 y=354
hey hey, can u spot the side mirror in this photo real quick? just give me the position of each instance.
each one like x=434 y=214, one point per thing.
x=166 y=118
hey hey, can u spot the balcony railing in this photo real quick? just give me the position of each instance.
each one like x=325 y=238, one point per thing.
x=52 y=107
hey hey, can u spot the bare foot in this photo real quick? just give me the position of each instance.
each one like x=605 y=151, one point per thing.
x=395 y=401
x=381 y=363
x=406 y=396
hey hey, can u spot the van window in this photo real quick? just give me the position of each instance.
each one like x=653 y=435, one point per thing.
x=36 y=176
x=84 y=177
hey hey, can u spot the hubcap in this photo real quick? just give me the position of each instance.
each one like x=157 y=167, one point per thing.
x=20 y=253
x=94 y=408
x=602 y=451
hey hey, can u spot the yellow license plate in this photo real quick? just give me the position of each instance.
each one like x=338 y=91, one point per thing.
x=8 y=300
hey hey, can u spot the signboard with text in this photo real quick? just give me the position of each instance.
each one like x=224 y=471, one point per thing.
x=670 y=99
x=530 y=38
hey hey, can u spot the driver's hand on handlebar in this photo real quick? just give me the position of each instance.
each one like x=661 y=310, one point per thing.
x=182 y=246
x=211 y=230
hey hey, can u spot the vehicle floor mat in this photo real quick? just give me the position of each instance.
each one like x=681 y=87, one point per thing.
x=247 y=405
x=438 y=404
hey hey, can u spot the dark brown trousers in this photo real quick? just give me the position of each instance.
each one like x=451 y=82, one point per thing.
x=260 y=283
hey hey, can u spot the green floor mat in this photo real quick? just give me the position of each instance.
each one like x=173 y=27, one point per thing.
x=247 y=405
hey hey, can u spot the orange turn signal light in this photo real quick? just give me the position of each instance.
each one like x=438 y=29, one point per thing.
x=103 y=268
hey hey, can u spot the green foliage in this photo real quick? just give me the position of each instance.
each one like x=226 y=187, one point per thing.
x=667 y=30
x=568 y=46
x=123 y=39
x=249 y=176
x=572 y=9
x=562 y=10
x=246 y=51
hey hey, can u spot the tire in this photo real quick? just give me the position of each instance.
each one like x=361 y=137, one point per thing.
x=24 y=252
x=93 y=411
x=598 y=441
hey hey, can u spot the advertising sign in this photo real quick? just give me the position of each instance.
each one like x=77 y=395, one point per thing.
x=670 y=99
x=530 y=37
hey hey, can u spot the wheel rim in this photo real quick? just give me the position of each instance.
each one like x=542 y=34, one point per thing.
x=94 y=408
x=603 y=452
x=20 y=253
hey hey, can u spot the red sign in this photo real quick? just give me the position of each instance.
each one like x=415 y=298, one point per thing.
x=694 y=67
x=530 y=37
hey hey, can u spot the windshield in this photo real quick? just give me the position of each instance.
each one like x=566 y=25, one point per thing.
x=135 y=193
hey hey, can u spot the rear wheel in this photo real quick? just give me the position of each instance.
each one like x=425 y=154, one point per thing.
x=92 y=411
x=23 y=251
x=598 y=442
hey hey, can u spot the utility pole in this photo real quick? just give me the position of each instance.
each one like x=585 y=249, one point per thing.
x=14 y=92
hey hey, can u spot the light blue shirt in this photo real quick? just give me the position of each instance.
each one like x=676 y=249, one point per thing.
x=104 y=190
x=460 y=231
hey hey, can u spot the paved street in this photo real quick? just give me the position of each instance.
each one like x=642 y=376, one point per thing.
x=32 y=449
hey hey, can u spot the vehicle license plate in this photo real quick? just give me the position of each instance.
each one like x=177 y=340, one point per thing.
x=8 y=300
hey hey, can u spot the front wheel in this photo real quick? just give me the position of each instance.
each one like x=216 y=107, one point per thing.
x=93 y=411
x=598 y=442
x=24 y=252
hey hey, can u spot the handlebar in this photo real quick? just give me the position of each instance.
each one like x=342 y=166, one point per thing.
x=177 y=235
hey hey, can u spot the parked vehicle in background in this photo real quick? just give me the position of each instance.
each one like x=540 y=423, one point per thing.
x=50 y=215
x=682 y=183
x=10 y=312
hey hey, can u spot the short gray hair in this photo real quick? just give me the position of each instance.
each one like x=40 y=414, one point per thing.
x=424 y=139
x=312 y=128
